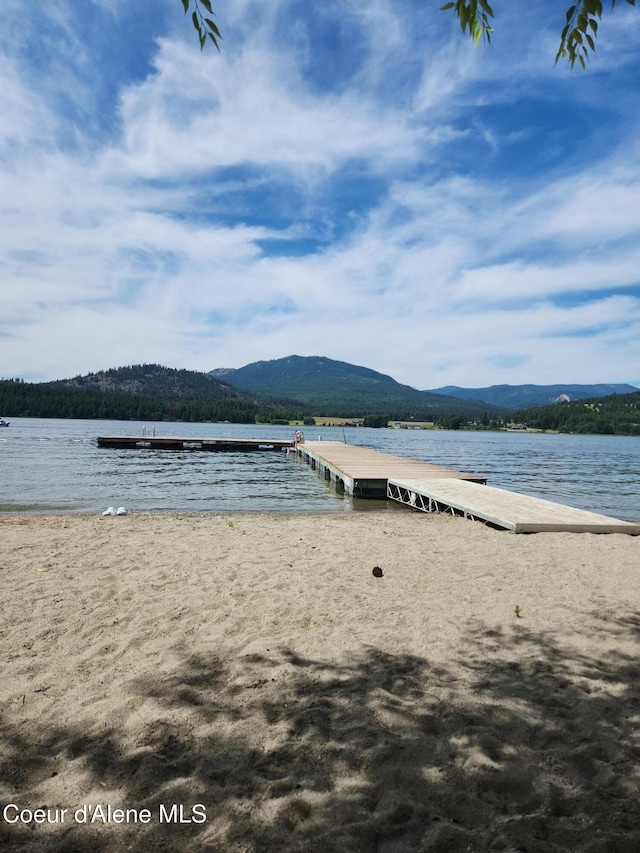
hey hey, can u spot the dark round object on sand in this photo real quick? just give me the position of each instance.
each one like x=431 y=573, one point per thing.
x=377 y=572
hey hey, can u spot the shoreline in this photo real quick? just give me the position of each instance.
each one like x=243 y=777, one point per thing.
x=254 y=665
x=391 y=508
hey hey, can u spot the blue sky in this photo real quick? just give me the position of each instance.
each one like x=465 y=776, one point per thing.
x=350 y=179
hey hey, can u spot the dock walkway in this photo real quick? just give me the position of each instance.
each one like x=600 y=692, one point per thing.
x=166 y=442
x=430 y=488
x=363 y=472
x=502 y=508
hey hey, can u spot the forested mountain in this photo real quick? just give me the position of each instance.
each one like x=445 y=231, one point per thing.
x=287 y=389
x=35 y=400
x=521 y=396
x=618 y=413
x=319 y=386
x=332 y=387
x=142 y=392
x=155 y=380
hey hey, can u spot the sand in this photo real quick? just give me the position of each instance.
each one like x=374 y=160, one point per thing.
x=245 y=683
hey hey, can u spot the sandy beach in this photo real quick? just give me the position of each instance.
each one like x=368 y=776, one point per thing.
x=246 y=684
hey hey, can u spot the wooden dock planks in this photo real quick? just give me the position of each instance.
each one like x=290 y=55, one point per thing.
x=364 y=472
x=509 y=510
x=229 y=445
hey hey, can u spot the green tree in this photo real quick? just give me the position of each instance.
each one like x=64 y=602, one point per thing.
x=577 y=38
x=375 y=421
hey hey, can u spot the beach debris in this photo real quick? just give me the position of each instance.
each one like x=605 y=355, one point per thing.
x=377 y=572
x=113 y=511
x=42 y=569
x=109 y=511
x=518 y=611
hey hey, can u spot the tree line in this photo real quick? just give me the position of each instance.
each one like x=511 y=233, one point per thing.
x=59 y=400
x=32 y=400
x=617 y=414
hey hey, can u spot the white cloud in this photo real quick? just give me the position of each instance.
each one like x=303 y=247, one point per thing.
x=250 y=109
x=144 y=243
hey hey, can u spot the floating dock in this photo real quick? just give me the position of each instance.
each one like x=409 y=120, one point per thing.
x=228 y=445
x=362 y=472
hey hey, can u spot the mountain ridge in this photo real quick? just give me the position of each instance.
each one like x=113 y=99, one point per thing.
x=329 y=386
x=153 y=380
x=154 y=392
x=333 y=387
x=529 y=395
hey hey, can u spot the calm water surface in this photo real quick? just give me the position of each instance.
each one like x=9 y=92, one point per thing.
x=55 y=466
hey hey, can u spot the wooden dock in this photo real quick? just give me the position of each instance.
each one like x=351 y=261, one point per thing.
x=502 y=508
x=225 y=445
x=362 y=472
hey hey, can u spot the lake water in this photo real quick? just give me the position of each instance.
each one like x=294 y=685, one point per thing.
x=55 y=466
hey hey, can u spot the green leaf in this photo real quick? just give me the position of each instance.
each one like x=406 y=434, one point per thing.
x=185 y=3
x=207 y=6
x=570 y=12
x=213 y=39
x=196 y=22
x=212 y=27
x=442 y=8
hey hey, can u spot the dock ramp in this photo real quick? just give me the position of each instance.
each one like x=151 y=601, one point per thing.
x=501 y=508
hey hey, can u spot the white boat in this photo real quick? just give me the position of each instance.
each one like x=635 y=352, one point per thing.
x=3 y=422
